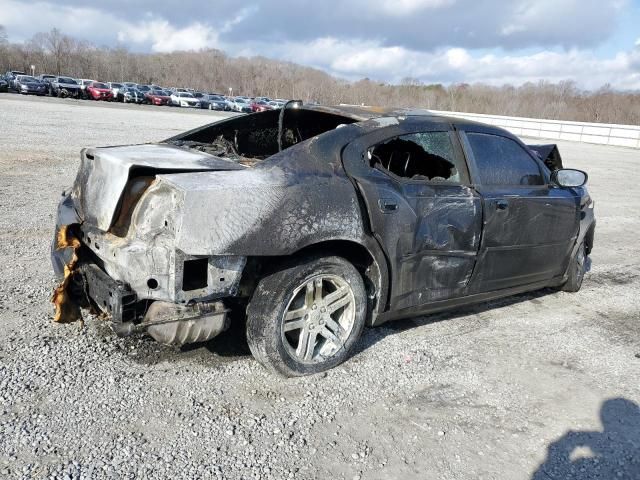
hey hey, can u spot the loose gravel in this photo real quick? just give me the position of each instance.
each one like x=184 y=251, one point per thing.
x=507 y=389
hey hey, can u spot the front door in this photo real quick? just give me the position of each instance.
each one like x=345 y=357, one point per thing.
x=421 y=209
x=530 y=226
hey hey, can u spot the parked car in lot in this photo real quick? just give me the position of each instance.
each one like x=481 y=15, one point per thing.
x=326 y=220
x=276 y=104
x=99 y=91
x=65 y=87
x=157 y=97
x=4 y=85
x=11 y=76
x=114 y=87
x=131 y=95
x=203 y=98
x=28 y=85
x=217 y=102
x=184 y=99
x=239 y=104
x=260 y=106
x=46 y=79
x=84 y=83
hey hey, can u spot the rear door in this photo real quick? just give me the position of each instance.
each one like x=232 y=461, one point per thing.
x=530 y=226
x=415 y=185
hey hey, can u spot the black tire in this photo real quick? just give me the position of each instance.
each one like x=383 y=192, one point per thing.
x=271 y=300
x=577 y=269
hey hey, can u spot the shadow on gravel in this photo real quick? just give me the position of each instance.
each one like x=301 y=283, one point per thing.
x=372 y=336
x=613 y=453
x=232 y=345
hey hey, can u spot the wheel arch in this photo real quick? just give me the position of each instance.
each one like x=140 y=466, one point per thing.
x=367 y=257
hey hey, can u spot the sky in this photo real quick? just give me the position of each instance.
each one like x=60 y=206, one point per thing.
x=593 y=42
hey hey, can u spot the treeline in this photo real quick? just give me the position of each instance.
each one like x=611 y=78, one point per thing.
x=211 y=70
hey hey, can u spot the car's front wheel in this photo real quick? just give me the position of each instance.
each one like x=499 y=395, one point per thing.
x=306 y=317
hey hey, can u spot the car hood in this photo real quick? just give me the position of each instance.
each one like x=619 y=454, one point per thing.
x=105 y=172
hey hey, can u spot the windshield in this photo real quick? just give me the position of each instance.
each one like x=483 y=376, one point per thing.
x=116 y=85
x=99 y=85
x=26 y=78
x=68 y=80
x=240 y=100
x=185 y=95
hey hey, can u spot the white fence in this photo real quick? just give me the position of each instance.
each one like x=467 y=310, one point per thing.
x=601 y=133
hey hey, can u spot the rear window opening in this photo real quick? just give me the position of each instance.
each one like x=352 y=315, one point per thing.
x=252 y=138
x=421 y=156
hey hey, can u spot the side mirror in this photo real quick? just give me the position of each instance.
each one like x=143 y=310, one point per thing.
x=569 y=177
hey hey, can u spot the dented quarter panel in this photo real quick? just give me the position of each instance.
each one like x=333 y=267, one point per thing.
x=99 y=184
x=299 y=205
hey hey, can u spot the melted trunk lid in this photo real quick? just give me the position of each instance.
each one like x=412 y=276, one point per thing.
x=105 y=172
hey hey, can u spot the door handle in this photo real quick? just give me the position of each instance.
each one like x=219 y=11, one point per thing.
x=502 y=205
x=387 y=206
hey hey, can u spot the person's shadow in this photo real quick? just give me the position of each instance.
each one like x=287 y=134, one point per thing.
x=610 y=454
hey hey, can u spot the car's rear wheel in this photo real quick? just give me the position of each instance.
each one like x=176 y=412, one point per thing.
x=306 y=317
x=577 y=269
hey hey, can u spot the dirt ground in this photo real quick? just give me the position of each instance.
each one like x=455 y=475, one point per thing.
x=539 y=386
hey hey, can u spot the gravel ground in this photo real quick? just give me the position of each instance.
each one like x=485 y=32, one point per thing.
x=542 y=385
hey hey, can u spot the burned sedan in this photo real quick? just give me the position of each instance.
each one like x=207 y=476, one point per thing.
x=308 y=224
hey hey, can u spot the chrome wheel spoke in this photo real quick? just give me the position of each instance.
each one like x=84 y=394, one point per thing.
x=294 y=325
x=333 y=338
x=306 y=344
x=302 y=342
x=293 y=314
x=337 y=299
x=318 y=290
x=335 y=327
x=308 y=294
x=311 y=344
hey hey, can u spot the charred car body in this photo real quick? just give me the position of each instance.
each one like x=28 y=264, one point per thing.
x=312 y=223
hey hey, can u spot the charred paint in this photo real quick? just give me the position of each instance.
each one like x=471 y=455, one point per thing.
x=188 y=221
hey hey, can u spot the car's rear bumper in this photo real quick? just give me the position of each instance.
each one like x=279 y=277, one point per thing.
x=103 y=279
x=168 y=323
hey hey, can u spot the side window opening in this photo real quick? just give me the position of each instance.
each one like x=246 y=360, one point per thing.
x=425 y=156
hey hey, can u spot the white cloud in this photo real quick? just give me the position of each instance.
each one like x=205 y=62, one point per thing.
x=163 y=37
x=407 y=7
x=22 y=20
x=358 y=59
x=432 y=40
